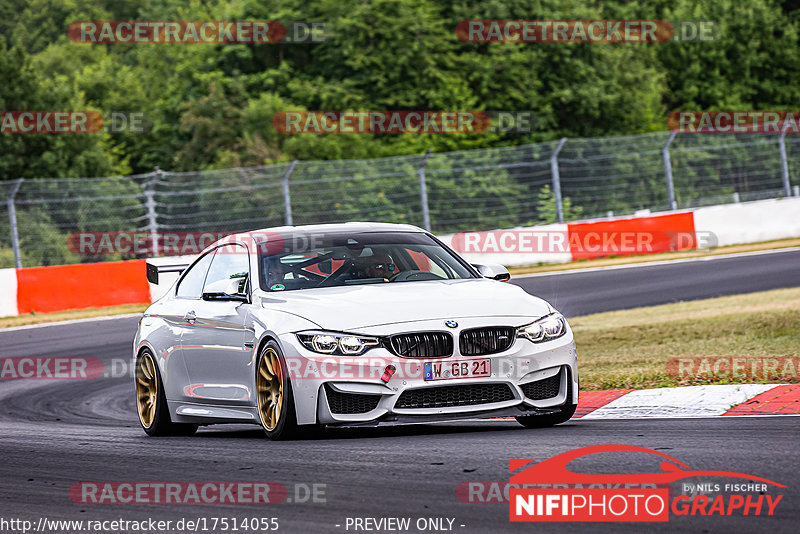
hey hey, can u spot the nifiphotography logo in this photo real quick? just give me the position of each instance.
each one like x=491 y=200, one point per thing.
x=640 y=497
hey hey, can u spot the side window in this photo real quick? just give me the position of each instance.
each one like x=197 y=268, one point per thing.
x=231 y=263
x=191 y=286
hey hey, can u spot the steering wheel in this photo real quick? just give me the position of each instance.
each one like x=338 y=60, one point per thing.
x=414 y=275
x=340 y=274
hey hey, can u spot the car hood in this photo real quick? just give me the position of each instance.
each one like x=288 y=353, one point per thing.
x=352 y=307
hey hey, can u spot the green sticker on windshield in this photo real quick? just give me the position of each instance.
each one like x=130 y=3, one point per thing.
x=277 y=287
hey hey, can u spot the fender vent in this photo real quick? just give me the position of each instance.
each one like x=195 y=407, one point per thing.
x=543 y=389
x=350 y=403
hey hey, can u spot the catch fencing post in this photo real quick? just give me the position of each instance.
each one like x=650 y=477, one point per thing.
x=287 y=197
x=12 y=221
x=787 y=189
x=423 y=192
x=150 y=204
x=557 y=179
x=668 y=171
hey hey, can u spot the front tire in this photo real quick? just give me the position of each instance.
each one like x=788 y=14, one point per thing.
x=151 y=402
x=274 y=396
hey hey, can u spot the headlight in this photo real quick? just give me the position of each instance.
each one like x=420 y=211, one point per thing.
x=336 y=343
x=545 y=329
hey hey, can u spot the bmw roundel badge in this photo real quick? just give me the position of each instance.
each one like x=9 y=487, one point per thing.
x=450 y=324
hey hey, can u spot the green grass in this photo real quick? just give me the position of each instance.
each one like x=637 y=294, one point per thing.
x=631 y=348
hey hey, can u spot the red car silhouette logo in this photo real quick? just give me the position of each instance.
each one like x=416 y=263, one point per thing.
x=554 y=470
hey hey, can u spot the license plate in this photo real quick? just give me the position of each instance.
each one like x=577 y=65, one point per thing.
x=477 y=368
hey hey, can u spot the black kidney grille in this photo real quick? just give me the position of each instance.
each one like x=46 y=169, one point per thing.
x=350 y=403
x=543 y=389
x=444 y=396
x=480 y=341
x=422 y=345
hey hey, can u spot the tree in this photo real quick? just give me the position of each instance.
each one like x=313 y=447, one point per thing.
x=546 y=207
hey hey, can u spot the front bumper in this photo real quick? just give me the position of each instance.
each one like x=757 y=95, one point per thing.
x=527 y=379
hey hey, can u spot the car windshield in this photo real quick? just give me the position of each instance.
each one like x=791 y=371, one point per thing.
x=306 y=261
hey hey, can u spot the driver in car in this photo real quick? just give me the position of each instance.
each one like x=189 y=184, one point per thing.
x=381 y=266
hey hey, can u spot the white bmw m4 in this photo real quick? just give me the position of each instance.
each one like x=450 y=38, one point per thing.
x=347 y=325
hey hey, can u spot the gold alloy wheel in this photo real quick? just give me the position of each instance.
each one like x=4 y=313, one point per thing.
x=146 y=389
x=269 y=389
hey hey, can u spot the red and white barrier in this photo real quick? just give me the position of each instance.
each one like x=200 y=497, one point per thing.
x=562 y=243
x=85 y=285
x=750 y=222
x=8 y=293
x=65 y=287
x=709 y=227
x=690 y=401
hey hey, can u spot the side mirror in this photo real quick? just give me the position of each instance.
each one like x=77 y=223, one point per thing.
x=493 y=271
x=230 y=289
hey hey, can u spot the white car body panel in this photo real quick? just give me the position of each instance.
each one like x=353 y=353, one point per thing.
x=208 y=364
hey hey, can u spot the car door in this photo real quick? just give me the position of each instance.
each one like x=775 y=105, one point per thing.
x=218 y=363
x=174 y=312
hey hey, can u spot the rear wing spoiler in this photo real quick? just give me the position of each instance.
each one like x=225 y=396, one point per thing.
x=154 y=269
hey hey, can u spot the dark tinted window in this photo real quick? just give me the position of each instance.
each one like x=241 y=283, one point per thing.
x=326 y=260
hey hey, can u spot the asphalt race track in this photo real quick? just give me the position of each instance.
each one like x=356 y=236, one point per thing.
x=606 y=289
x=56 y=433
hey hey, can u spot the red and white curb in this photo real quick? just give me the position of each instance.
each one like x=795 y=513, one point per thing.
x=690 y=401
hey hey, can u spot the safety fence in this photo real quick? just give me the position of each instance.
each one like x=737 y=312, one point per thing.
x=42 y=220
